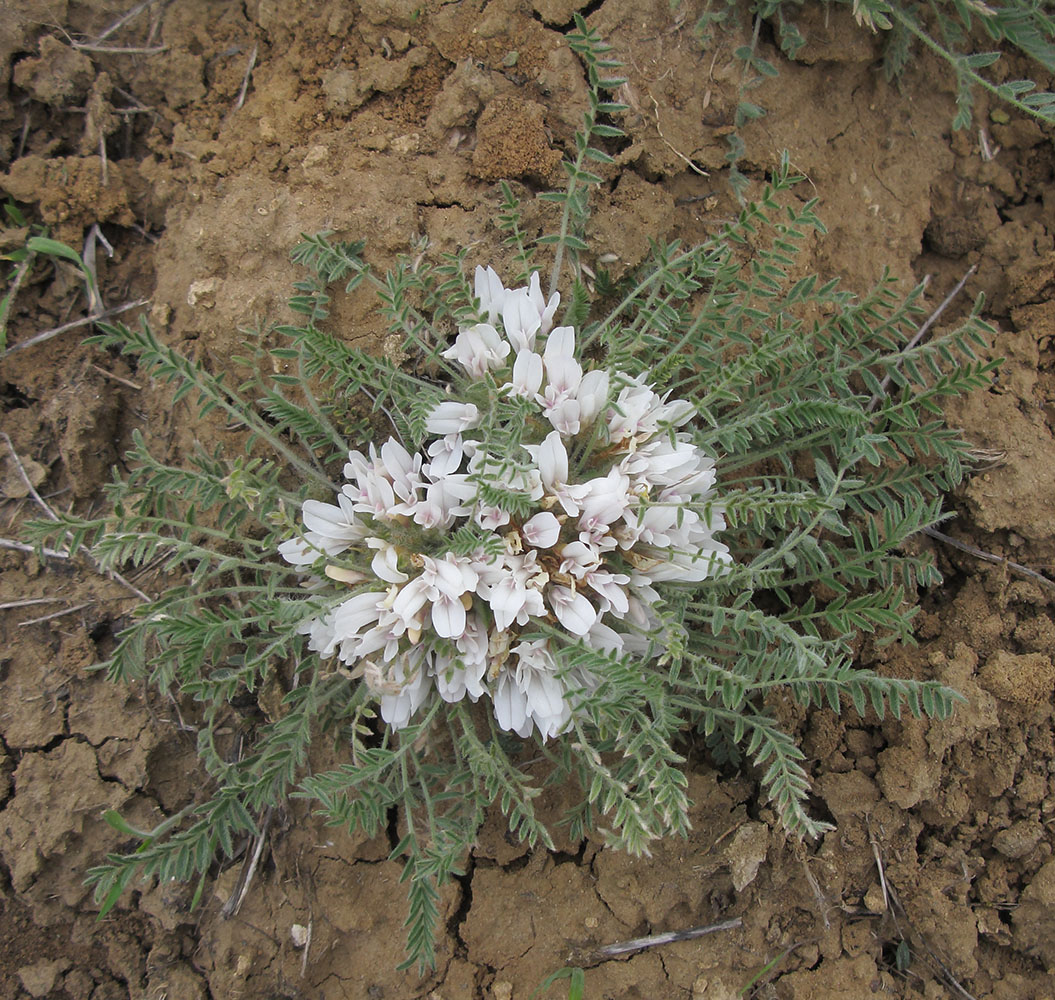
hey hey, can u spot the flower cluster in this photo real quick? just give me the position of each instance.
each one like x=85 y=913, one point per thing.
x=606 y=499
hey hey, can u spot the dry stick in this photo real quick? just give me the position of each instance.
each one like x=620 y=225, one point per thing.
x=20 y=275
x=989 y=557
x=8 y=605
x=245 y=80
x=117 y=378
x=56 y=614
x=677 y=152
x=234 y=904
x=142 y=50
x=105 y=163
x=7 y=543
x=112 y=574
x=123 y=20
x=95 y=237
x=48 y=334
x=653 y=940
x=307 y=945
x=23 y=137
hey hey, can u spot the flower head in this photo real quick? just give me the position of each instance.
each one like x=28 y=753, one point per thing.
x=569 y=531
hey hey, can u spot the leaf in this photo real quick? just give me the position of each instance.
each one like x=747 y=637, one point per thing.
x=53 y=248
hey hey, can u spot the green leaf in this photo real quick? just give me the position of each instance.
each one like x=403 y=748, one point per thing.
x=53 y=248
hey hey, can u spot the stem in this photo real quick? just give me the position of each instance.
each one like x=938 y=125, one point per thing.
x=959 y=63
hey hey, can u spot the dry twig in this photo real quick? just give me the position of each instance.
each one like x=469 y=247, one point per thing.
x=123 y=20
x=245 y=80
x=56 y=614
x=48 y=334
x=654 y=940
x=978 y=553
x=234 y=904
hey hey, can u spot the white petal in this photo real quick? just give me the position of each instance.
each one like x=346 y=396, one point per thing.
x=489 y=290
x=527 y=374
x=510 y=703
x=448 y=617
x=452 y=417
x=592 y=394
x=520 y=319
x=552 y=461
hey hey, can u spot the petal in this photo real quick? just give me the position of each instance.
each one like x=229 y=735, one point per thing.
x=448 y=617
x=553 y=461
x=510 y=703
x=527 y=374
x=520 y=319
x=592 y=395
x=489 y=290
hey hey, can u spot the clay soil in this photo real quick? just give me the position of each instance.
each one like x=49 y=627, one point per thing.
x=392 y=120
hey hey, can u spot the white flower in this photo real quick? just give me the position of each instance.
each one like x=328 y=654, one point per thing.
x=546 y=310
x=592 y=395
x=385 y=562
x=573 y=610
x=478 y=349
x=527 y=375
x=489 y=290
x=452 y=417
x=409 y=675
x=551 y=458
x=536 y=677
x=607 y=504
x=541 y=531
x=446 y=454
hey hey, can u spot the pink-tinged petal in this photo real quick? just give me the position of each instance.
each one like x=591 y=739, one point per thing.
x=506 y=600
x=478 y=348
x=610 y=587
x=490 y=518
x=578 y=558
x=541 y=531
x=446 y=454
x=573 y=610
x=564 y=416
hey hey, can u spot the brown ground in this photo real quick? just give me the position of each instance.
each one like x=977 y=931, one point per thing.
x=391 y=120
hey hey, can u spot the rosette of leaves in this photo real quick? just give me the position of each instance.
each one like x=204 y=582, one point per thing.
x=824 y=416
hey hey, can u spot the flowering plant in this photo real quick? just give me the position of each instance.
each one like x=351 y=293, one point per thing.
x=540 y=530
x=568 y=538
